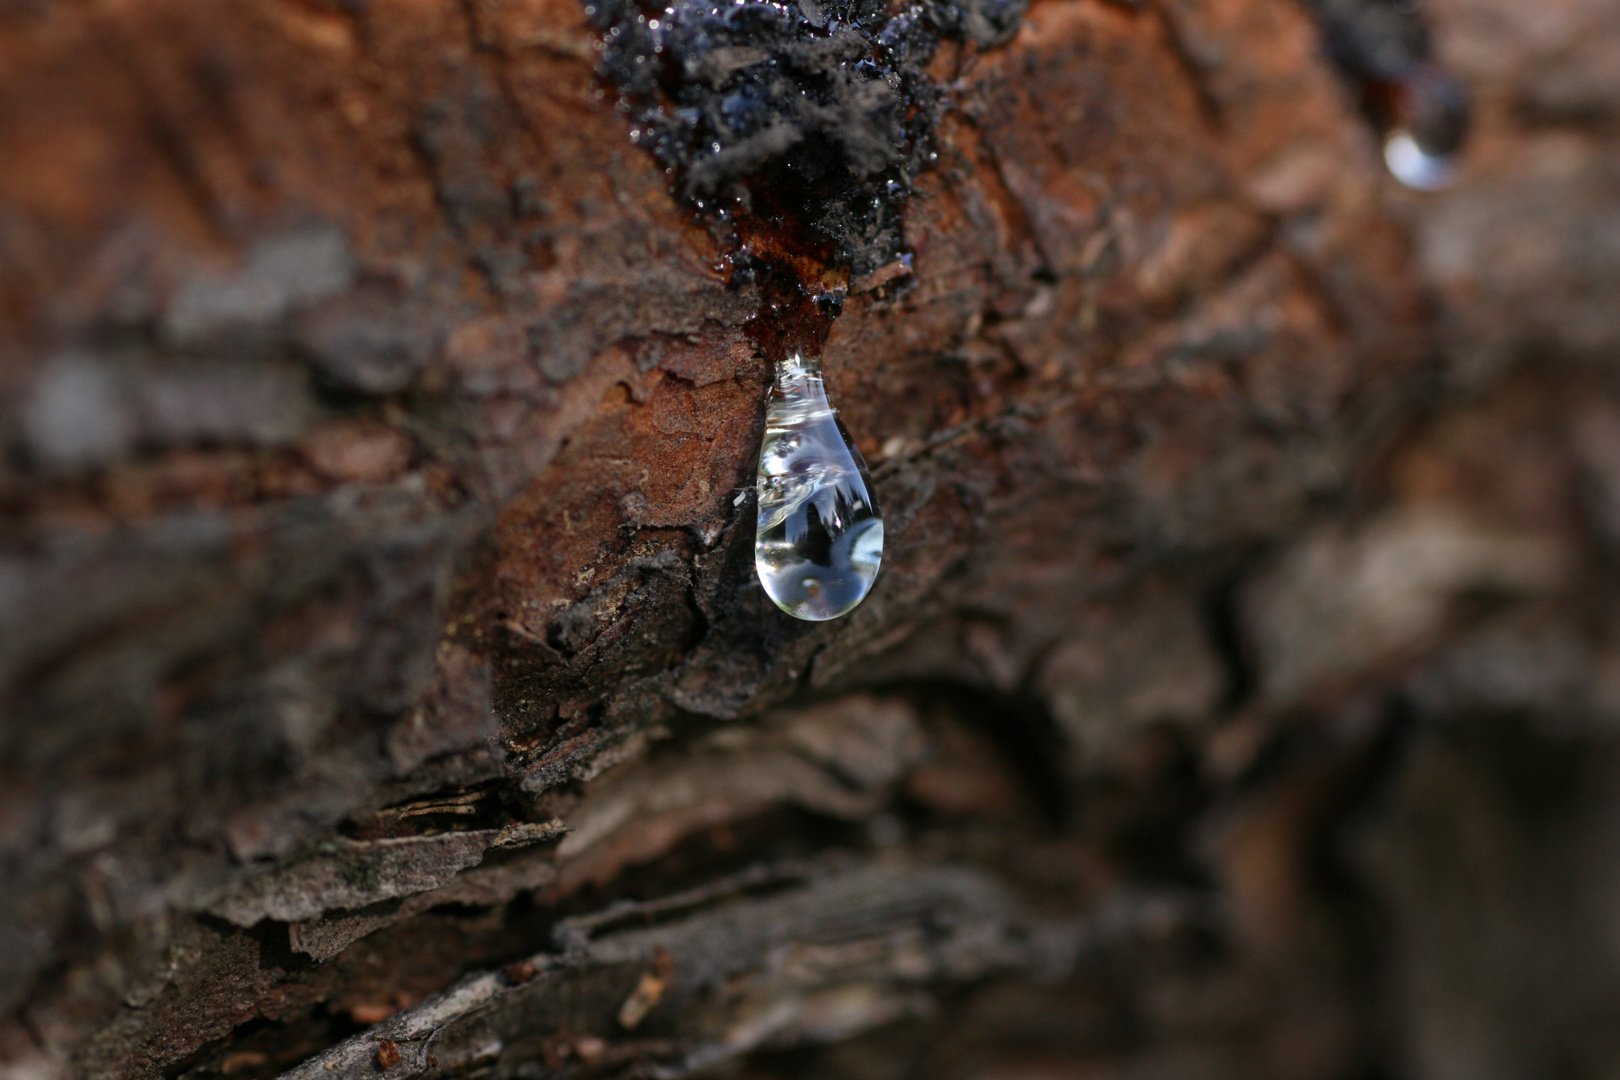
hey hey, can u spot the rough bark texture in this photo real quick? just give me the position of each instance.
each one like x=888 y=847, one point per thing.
x=387 y=691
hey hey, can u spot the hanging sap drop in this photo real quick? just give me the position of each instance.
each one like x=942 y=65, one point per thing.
x=1416 y=167
x=820 y=535
x=1431 y=117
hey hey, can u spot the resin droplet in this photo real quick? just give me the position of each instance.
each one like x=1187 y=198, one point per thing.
x=1431 y=124
x=820 y=536
x=1416 y=167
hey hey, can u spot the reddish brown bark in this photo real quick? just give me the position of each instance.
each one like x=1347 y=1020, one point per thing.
x=387 y=690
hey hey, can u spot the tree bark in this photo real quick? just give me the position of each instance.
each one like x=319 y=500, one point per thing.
x=387 y=688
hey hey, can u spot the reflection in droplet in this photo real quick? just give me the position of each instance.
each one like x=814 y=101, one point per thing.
x=820 y=535
x=1416 y=167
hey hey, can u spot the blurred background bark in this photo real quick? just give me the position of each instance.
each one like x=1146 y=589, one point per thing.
x=387 y=692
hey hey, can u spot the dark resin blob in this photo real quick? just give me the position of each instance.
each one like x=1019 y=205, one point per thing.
x=809 y=117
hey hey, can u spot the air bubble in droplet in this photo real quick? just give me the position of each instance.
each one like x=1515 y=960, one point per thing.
x=819 y=541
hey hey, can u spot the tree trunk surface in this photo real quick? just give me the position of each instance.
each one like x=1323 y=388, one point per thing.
x=387 y=689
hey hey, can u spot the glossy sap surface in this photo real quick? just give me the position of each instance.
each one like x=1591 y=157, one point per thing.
x=1416 y=167
x=820 y=534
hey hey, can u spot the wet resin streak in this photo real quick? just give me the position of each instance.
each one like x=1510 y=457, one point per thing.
x=820 y=536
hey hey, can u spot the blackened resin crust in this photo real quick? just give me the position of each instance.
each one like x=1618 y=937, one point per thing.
x=811 y=117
